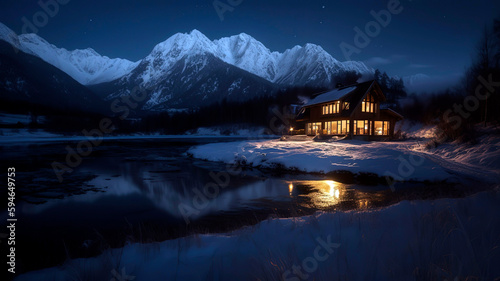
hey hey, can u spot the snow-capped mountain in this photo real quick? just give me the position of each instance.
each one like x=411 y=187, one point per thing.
x=190 y=70
x=189 y=65
x=299 y=66
x=195 y=80
x=85 y=66
x=29 y=83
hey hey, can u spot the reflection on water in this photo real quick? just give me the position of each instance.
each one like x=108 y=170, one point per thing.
x=181 y=190
x=328 y=194
x=153 y=186
x=321 y=193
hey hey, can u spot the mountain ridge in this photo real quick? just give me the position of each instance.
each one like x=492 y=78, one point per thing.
x=299 y=65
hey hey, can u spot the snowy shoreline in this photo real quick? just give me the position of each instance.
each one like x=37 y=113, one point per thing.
x=403 y=161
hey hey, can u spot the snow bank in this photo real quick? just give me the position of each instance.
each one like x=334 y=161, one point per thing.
x=485 y=153
x=422 y=240
x=416 y=130
x=381 y=158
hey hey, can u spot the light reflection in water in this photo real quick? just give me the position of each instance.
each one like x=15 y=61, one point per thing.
x=325 y=194
x=334 y=192
x=363 y=203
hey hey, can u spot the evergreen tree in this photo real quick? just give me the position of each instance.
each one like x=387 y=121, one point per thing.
x=376 y=75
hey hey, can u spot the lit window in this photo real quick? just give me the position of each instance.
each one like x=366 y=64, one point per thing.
x=313 y=128
x=386 y=128
x=331 y=108
x=361 y=127
x=368 y=104
x=381 y=128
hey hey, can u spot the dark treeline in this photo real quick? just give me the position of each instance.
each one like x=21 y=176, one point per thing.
x=394 y=89
x=257 y=112
x=56 y=120
x=476 y=99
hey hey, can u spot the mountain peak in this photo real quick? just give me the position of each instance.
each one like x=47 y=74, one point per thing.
x=182 y=44
x=314 y=47
x=197 y=34
x=309 y=63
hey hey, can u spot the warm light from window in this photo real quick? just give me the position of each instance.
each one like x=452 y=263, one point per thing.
x=290 y=188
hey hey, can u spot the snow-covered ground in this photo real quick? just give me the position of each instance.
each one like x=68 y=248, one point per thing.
x=445 y=239
x=402 y=160
x=380 y=158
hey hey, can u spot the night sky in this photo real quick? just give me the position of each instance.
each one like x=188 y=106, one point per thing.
x=436 y=38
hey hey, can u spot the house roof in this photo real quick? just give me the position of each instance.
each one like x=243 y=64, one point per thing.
x=391 y=112
x=352 y=94
x=332 y=95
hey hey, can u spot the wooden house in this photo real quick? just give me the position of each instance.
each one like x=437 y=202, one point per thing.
x=353 y=111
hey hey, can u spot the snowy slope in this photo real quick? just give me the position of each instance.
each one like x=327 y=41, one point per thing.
x=309 y=64
x=85 y=66
x=381 y=158
x=9 y=36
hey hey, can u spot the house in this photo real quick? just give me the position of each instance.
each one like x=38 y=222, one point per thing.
x=354 y=111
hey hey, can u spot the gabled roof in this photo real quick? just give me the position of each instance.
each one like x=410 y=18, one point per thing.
x=332 y=95
x=352 y=94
